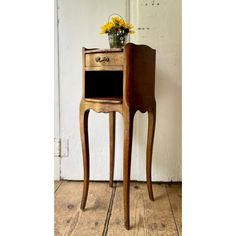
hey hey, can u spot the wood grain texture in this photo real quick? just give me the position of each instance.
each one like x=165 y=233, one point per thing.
x=104 y=212
x=105 y=100
x=150 y=139
x=175 y=196
x=158 y=214
x=85 y=149
x=139 y=77
x=146 y=217
x=128 y=137
x=57 y=185
x=93 y=219
x=116 y=225
x=67 y=212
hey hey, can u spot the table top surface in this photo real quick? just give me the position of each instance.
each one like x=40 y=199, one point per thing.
x=98 y=50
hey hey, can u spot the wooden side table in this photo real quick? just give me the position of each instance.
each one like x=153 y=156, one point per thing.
x=119 y=80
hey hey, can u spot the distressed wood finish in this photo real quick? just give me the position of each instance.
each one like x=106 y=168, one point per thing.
x=104 y=100
x=70 y=220
x=92 y=221
x=161 y=217
x=56 y=185
x=105 y=59
x=175 y=196
x=137 y=212
x=67 y=212
x=148 y=217
x=138 y=84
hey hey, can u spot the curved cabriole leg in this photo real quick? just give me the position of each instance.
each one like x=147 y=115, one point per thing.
x=150 y=138
x=85 y=149
x=128 y=132
x=112 y=124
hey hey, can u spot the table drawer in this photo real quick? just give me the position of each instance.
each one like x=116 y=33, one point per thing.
x=104 y=59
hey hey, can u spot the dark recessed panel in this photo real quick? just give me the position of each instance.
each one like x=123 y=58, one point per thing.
x=103 y=84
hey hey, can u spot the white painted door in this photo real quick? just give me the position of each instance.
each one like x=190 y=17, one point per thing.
x=79 y=26
x=158 y=24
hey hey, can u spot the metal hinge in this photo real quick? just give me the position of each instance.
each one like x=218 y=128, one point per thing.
x=61 y=147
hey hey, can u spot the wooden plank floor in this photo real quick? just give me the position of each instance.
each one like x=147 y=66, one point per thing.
x=104 y=210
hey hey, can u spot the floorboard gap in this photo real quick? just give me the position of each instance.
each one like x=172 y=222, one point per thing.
x=58 y=187
x=167 y=192
x=109 y=210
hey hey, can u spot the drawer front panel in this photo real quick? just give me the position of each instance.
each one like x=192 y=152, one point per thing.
x=104 y=59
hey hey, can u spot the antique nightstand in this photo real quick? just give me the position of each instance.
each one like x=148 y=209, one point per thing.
x=119 y=80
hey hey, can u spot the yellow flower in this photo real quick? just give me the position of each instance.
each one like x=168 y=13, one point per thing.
x=116 y=20
x=122 y=23
x=117 y=24
x=129 y=27
x=106 y=28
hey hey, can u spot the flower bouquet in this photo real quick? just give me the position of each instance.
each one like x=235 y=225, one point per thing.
x=117 y=30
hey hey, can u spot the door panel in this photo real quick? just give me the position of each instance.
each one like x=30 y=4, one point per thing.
x=79 y=26
x=158 y=24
